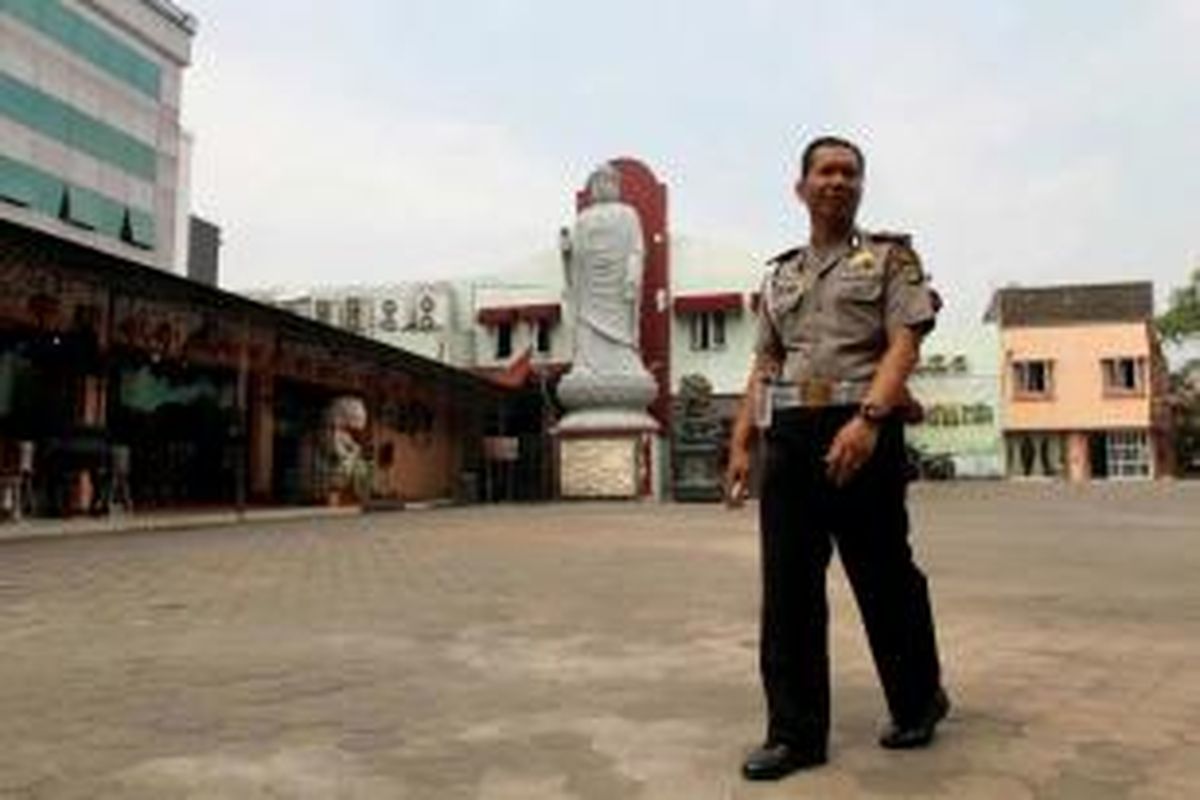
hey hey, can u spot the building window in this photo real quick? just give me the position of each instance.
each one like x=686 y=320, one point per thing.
x=504 y=339
x=935 y=364
x=56 y=119
x=353 y=314
x=139 y=225
x=324 y=311
x=1036 y=454
x=1124 y=376
x=542 y=335
x=979 y=414
x=1128 y=454
x=951 y=415
x=708 y=330
x=1033 y=378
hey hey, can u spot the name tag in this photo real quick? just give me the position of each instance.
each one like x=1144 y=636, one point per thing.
x=775 y=395
x=764 y=411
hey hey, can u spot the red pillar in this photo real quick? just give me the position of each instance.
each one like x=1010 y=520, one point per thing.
x=262 y=437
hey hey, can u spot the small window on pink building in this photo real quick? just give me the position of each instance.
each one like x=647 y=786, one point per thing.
x=1124 y=376
x=1033 y=380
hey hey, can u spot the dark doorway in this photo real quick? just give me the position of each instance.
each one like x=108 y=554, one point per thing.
x=1098 y=454
x=300 y=410
x=525 y=416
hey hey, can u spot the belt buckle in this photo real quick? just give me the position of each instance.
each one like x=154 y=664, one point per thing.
x=816 y=393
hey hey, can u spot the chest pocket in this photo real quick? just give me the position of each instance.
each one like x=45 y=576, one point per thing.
x=859 y=289
x=858 y=304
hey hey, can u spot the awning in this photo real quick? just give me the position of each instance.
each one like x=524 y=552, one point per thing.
x=541 y=312
x=533 y=312
x=703 y=303
x=496 y=316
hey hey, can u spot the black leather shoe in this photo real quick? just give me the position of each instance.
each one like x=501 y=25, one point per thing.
x=775 y=760
x=919 y=733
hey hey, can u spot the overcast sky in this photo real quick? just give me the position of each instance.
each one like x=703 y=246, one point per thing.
x=1033 y=142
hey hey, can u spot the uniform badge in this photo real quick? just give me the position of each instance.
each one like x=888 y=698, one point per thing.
x=785 y=292
x=908 y=265
x=863 y=260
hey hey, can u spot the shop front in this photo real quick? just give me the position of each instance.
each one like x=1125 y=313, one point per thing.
x=124 y=387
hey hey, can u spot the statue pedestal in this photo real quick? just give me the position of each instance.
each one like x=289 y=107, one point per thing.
x=605 y=447
x=605 y=467
x=605 y=453
x=697 y=473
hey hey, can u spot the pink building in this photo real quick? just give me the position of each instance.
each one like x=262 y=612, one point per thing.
x=1083 y=382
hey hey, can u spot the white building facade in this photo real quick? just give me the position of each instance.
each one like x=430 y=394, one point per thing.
x=488 y=323
x=958 y=386
x=91 y=148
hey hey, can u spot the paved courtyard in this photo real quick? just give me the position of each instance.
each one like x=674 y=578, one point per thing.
x=598 y=652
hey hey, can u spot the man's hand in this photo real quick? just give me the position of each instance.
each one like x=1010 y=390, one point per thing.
x=737 y=475
x=851 y=448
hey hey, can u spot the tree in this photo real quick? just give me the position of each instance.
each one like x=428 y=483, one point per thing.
x=1182 y=319
x=1185 y=416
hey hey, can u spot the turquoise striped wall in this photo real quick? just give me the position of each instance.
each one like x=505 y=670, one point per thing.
x=57 y=120
x=90 y=42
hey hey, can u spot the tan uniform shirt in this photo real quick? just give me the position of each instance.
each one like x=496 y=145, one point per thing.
x=827 y=317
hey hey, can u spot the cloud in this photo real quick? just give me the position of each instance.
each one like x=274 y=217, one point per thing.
x=1019 y=164
x=1020 y=142
x=328 y=189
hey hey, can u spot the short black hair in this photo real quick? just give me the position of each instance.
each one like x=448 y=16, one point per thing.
x=810 y=151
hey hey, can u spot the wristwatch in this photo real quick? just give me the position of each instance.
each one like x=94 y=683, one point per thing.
x=873 y=413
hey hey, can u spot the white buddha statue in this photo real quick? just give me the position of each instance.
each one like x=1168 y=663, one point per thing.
x=603 y=257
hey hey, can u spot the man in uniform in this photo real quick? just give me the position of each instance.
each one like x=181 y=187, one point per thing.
x=840 y=323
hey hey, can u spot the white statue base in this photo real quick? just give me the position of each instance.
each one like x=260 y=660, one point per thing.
x=610 y=467
x=605 y=453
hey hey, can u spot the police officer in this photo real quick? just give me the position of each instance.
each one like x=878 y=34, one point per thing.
x=840 y=323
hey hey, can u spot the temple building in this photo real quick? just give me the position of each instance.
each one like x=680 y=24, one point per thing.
x=511 y=325
x=114 y=375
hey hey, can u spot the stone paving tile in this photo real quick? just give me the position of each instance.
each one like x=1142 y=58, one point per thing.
x=590 y=652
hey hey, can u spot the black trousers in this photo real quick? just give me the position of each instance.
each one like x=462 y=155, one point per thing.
x=802 y=517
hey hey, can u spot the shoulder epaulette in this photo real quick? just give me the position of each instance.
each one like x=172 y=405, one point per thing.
x=786 y=255
x=890 y=237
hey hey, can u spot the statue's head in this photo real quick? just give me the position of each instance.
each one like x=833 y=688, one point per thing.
x=347 y=413
x=604 y=184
